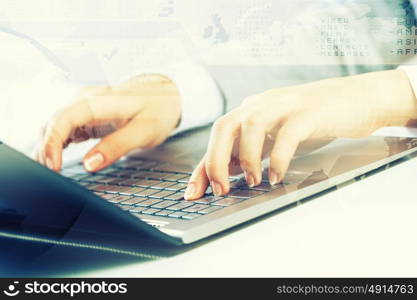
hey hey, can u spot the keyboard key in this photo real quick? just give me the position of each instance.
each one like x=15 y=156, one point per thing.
x=130 y=182
x=195 y=208
x=176 y=196
x=119 y=199
x=133 y=201
x=264 y=186
x=158 y=175
x=240 y=184
x=148 y=202
x=177 y=186
x=146 y=192
x=136 y=209
x=162 y=185
x=162 y=194
x=115 y=181
x=163 y=213
x=146 y=182
x=108 y=196
x=173 y=168
x=106 y=179
x=116 y=188
x=208 y=199
x=191 y=216
x=185 y=179
x=95 y=178
x=97 y=187
x=210 y=210
x=114 y=173
x=164 y=204
x=181 y=205
x=141 y=174
x=175 y=177
x=227 y=201
x=150 y=211
x=133 y=191
x=177 y=214
x=244 y=193
x=125 y=173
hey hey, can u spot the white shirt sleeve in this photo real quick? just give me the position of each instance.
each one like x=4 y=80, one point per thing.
x=201 y=99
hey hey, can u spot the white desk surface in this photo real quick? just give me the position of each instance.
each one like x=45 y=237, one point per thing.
x=367 y=228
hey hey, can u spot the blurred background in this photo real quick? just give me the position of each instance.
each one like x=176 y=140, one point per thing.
x=49 y=49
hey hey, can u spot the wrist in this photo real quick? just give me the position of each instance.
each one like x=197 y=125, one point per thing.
x=161 y=95
x=403 y=100
x=396 y=101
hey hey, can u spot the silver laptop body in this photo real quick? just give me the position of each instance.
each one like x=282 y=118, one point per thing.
x=314 y=171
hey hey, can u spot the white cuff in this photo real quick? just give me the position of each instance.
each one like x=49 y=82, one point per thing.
x=411 y=71
x=201 y=100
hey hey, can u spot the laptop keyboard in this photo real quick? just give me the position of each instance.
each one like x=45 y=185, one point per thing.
x=145 y=187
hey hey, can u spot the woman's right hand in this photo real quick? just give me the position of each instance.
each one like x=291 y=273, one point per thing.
x=139 y=113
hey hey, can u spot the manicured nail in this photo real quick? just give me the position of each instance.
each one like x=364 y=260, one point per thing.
x=250 y=180
x=190 y=191
x=217 y=188
x=273 y=177
x=93 y=162
x=49 y=163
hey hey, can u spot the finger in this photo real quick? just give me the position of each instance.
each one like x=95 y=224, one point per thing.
x=58 y=131
x=219 y=153
x=97 y=109
x=289 y=136
x=138 y=133
x=198 y=182
x=252 y=137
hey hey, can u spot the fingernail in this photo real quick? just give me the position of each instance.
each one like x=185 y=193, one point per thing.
x=273 y=177
x=190 y=191
x=250 y=180
x=49 y=163
x=93 y=162
x=217 y=188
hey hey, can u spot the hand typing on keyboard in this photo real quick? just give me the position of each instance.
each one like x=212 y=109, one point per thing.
x=139 y=113
x=275 y=122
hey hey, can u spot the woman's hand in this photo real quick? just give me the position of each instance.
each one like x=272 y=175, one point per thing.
x=140 y=113
x=340 y=107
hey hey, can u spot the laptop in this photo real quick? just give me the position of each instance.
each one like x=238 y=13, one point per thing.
x=142 y=195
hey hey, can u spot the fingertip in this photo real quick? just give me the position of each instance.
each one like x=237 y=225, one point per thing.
x=94 y=161
x=52 y=157
x=273 y=176
x=218 y=188
x=219 y=182
x=250 y=179
x=49 y=163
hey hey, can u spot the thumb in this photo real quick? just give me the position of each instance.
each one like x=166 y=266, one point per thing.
x=136 y=134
